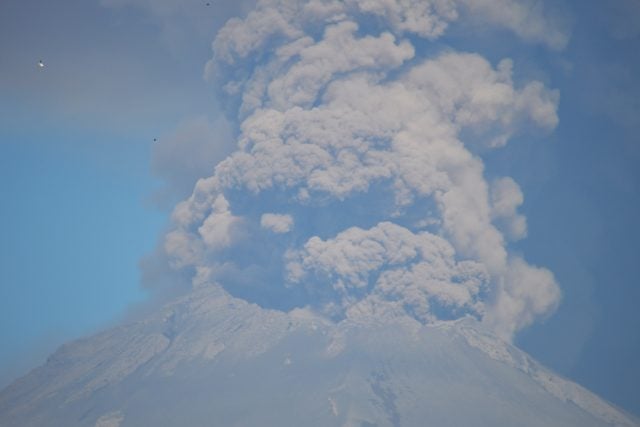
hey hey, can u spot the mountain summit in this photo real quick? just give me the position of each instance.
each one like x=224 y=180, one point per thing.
x=208 y=358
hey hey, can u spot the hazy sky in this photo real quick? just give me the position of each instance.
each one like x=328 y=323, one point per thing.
x=87 y=192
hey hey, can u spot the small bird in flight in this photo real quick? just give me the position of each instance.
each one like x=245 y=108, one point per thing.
x=40 y=64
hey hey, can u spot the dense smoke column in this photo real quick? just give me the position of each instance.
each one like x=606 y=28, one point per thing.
x=355 y=189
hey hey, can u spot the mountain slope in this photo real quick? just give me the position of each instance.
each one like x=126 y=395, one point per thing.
x=211 y=359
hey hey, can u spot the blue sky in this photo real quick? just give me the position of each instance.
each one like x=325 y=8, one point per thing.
x=86 y=193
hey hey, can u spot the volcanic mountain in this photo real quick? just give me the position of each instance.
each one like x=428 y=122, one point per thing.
x=210 y=359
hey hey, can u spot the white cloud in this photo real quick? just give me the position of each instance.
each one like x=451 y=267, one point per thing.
x=389 y=263
x=283 y=21
x=184 y=249
x=302 y=82
x=427 y=18
x=506 y=197
x=480 y=98
x=362 y=128
x=403 y=132
x=217 y=229
x=241 y=37
x=331 y=113
x=526 y=293
x=529 y=19
x=276 y=222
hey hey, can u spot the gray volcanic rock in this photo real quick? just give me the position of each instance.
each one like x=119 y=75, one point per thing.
x=209 y=359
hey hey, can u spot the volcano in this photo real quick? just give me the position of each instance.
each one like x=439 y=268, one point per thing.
x=210 y=359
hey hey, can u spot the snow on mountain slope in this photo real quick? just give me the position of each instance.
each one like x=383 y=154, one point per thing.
x=559 y=387
x=210 y=359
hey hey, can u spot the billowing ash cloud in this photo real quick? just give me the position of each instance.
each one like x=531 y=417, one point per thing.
x=355 y=189
x=412 y=272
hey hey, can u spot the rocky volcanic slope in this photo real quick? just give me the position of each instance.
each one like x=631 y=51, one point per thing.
x=209 y=359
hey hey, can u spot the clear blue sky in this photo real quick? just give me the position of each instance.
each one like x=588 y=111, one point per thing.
x=80 y=176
